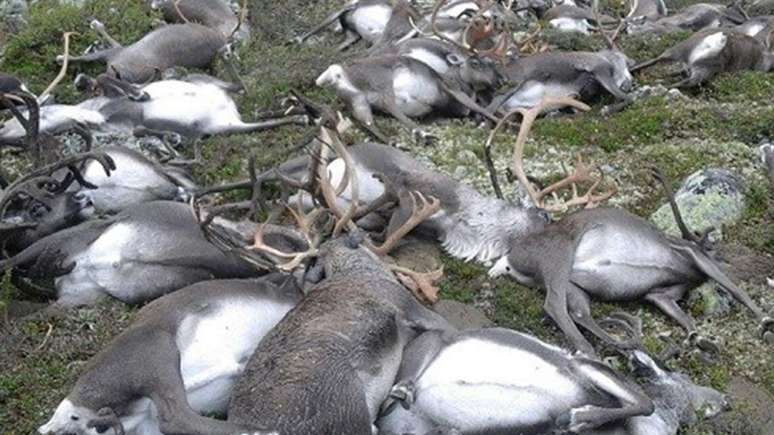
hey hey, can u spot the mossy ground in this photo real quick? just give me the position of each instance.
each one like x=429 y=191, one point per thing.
x=719 y=124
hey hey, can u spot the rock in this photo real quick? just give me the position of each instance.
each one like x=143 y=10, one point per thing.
x=462 y=316
x=750 y=414
x=417 y=254
x=712 y=300
x=707 y=199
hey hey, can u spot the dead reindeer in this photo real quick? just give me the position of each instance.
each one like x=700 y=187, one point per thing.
x=564 y=74
x=134 y=180
x=177 y=360
x=760 y=28
x=215 y=14
x=503 y=381
x=42 y=202
x=569 y=18
x=441 y=56
x=612 y=255
x=359 y=318
x=187 y=45
x=406 y=88
x=193 y=107
x=378 y=22
x=694 y=18
x=711 y=52
x=135 y=256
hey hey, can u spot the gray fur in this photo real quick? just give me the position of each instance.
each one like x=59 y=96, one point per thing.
x=187 y=45
x=612 y=255
x=215 y=14
x=135 y=256
x=546 y=388
x=585 y=74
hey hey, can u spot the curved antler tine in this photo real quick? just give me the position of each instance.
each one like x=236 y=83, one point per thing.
x=62 y=71
x=434 y=26
x=329 y=194
x=670 y=196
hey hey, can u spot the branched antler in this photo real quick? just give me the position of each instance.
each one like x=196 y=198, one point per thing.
x=608 y=38
x=62 y=71
x=582 y=172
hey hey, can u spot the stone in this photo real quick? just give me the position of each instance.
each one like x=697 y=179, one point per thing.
x=707 y=199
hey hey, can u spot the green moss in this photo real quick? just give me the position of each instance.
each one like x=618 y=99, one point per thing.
x=7 y=292
x=31 y=53
x=741 y=86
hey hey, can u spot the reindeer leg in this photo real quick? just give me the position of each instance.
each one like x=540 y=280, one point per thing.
x=633 y=400
x=97 y=56
x=558 y=286
x=330 y=19
x=361 y=111
x=175 y=414
x=98 y=27
x=351 y=39
x=578 y=304
x=666 y=301
x=416 y=131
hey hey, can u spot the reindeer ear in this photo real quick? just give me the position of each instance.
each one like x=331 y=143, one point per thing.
x=454 y=59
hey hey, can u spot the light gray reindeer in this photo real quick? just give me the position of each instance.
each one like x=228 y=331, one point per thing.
x=178 y=359
x=647 y=10
x=135 y=256
x=711 y=52
x=378 y=22
x=612 y=255
x=694 y=18
x=564 y=74
x=195 y=106
x=187 y=45
x=502 y=381
x=406 y=88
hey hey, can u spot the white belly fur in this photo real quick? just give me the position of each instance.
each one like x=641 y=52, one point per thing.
x=414 y=94
x=570 y=25
x=708 y=47
x=474 y=384
x=532 y=92
x=370 y=21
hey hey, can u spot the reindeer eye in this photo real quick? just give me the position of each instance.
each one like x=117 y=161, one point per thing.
x=74 y=418
x=101 y=428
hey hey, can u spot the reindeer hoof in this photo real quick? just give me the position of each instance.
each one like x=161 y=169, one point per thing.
x=404 y=393
x=703 y=344
x=60 y=59
x=766 y=330
x=96 y=25
x=576 y=420
x=424 y=138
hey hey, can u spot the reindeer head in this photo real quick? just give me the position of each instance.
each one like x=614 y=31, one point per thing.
x=675 y=393
x=70 y=418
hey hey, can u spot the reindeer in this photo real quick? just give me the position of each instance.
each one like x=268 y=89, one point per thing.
x=359 y=317
x=610 y=254
x=195 y=106
x=561 y=74
x=498 y=380
x=647 y=10
x=134 y=256
x=694 y=18
x=41 y=203
x=760 y=28
x=187 y=45
x=178 y=359
x=378 y=22
x=13 y=91
x=710 y=52
x=406 y=88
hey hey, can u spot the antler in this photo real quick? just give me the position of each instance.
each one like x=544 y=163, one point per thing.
x=434 y=27
x=670 y=196
x=306 y=224
x=582 y=172
x=62 y=71
x=422 y=208
x=610 y=39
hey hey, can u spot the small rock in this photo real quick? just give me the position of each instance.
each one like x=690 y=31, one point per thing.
x=417 y=254
x=707 y=199
x=462 y=316
x=713 y=301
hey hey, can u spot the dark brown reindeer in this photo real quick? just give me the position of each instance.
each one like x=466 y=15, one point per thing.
x=612 y=255
x=711 y=52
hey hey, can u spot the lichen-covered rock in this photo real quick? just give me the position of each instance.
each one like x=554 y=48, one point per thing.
x=462 y=316
x=707 y=199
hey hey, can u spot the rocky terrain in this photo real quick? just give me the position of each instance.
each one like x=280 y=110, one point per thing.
x=709 y=136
